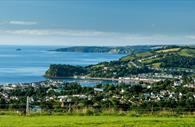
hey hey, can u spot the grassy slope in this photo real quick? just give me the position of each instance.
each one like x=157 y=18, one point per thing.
x=94 y=121
x=146 y=56
x=187 y=52
x=168 y=50
x=137 y=62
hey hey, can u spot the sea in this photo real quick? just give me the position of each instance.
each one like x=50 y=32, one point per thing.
x=25 y=64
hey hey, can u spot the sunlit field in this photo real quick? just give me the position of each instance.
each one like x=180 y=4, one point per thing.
x=94 y=121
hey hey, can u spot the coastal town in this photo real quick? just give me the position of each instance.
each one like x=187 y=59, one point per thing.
x=162 y=79
x=125 y=95
x=97 y=63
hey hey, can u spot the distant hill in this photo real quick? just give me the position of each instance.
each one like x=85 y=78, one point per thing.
x=168 y=59
x=176 y=56
x=104 y=49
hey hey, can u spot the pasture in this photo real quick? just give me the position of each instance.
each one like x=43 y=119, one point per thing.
x=94 y=121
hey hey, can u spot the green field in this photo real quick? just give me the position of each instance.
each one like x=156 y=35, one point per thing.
x=168 y=50
x=94 y=121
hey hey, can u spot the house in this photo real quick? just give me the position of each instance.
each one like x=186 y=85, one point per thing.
x=98 y=89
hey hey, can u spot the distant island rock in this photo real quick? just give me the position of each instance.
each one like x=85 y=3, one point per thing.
x=18 y=49
x=105 y=49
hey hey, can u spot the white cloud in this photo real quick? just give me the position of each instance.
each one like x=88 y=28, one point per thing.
x=86 y=37
x=191 y=37
x=49 y=32
x=17 y=22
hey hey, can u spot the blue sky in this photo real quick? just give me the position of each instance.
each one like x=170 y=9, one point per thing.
x=97 y=22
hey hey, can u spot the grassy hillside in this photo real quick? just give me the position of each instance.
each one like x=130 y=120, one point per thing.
x=94 y=121
x=175 y=58
x=183 y=57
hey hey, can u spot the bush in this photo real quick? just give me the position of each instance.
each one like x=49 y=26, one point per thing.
x=89 y=112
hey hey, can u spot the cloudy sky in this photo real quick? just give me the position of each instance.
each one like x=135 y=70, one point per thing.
x=97 y=22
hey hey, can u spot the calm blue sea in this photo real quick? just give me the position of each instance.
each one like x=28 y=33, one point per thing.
x=30 y=63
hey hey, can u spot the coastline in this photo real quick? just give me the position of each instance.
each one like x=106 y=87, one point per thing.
x=83 y=77
x=120 y=79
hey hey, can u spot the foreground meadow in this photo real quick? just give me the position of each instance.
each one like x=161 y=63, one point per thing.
x=94 y=121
